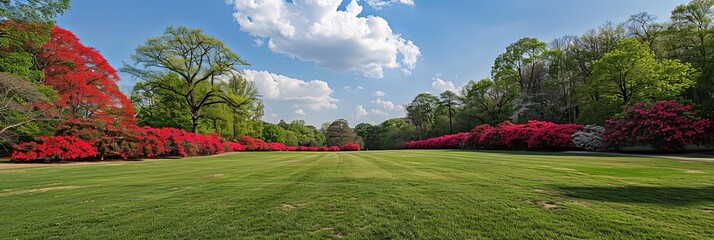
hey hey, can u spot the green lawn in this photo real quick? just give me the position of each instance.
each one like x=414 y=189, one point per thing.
x=375 y=195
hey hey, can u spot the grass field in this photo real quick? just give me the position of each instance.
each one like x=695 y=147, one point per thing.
x=375 y=195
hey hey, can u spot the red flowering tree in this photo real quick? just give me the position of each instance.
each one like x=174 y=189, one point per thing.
x=665 y=125
x=84 y=80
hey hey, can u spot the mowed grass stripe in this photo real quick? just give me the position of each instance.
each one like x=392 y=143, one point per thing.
x=375 y=194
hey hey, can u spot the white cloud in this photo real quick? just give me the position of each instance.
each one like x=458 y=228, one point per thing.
x=442 y=85
x=257 y=42
x=274 y=115
x=299 y=111
x=350 y=90
x=360 y=112
x=337 y=40
x=379 y=94
x=379 y=112
x=388 y=105
x=314 y=95
x=379 y=4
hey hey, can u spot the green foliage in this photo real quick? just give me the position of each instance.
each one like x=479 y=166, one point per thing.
x=395 y=132
x=422 y=111
x=273 y=133
x=339 y=133
x=202 y=67
x=32 y=10
x=369 y=134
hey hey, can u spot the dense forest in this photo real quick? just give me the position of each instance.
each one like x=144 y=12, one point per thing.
x=191 y=81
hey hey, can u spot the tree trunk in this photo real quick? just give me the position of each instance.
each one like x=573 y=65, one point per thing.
x=194 y=118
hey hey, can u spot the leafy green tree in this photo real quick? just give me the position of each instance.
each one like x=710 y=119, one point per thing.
x=273 y=133
x=340 y=133
x=421 y=112
x=20 y=106
x=449 y=101
x=291 y=138
x=32 y=10
x=395 y=132
x=488 y=101
x=521 y=63
x=200 y=63
x=631 y=73
x=369 y=134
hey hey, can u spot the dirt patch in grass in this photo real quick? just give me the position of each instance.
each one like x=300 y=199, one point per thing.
x=710 y=211
x=582 y=204
x=291 y=207
x=216 y=175
x=563 y=169
x=548 y=205
x=694 y=171
x=36 y=190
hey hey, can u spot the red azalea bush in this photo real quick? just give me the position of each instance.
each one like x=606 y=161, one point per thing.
x=254 y=144
x=114 y=138
x=555 y=137
x=350 y=147
x=443 y=142
x=58 y=148
x=476 y=133
x=492 y=138
x=665 y=125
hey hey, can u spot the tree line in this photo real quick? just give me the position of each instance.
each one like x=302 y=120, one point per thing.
x=585 y=79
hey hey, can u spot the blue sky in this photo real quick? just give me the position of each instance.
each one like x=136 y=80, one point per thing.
x=359 y=61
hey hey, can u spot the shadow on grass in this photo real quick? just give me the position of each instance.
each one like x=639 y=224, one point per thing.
x=671 y=196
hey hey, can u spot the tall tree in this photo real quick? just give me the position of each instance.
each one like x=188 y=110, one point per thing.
x=488 y=102
x=21 y=103
x=32 y=10
x=421 y=112
x=84 y=80
x=340 y=133
x=520 y=63
x=199 y=60
x=449 y=100
x=395 y=132
x=369 y=134
x=630 y=73
x=691 y=39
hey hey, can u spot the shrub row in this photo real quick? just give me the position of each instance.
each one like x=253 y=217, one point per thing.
x=667 y=126
x=104 y=138
x=444 y=142
x=257 y=144
x=534 y=135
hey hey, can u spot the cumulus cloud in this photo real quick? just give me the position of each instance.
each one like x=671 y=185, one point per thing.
x=299 y=111
x=337 y=40
x=360 y=112
x=351 y=90
x=442 y=85
x=379 y=4
x=379 y=94
x=388 y=105
x=257 y=42
x=314 y=95
x=379 y=112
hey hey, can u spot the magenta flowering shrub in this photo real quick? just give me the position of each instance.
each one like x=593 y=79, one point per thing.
x=666 y=126
x=444 y=142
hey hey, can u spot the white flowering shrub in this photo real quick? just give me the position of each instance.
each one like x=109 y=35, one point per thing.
x=590 y=138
